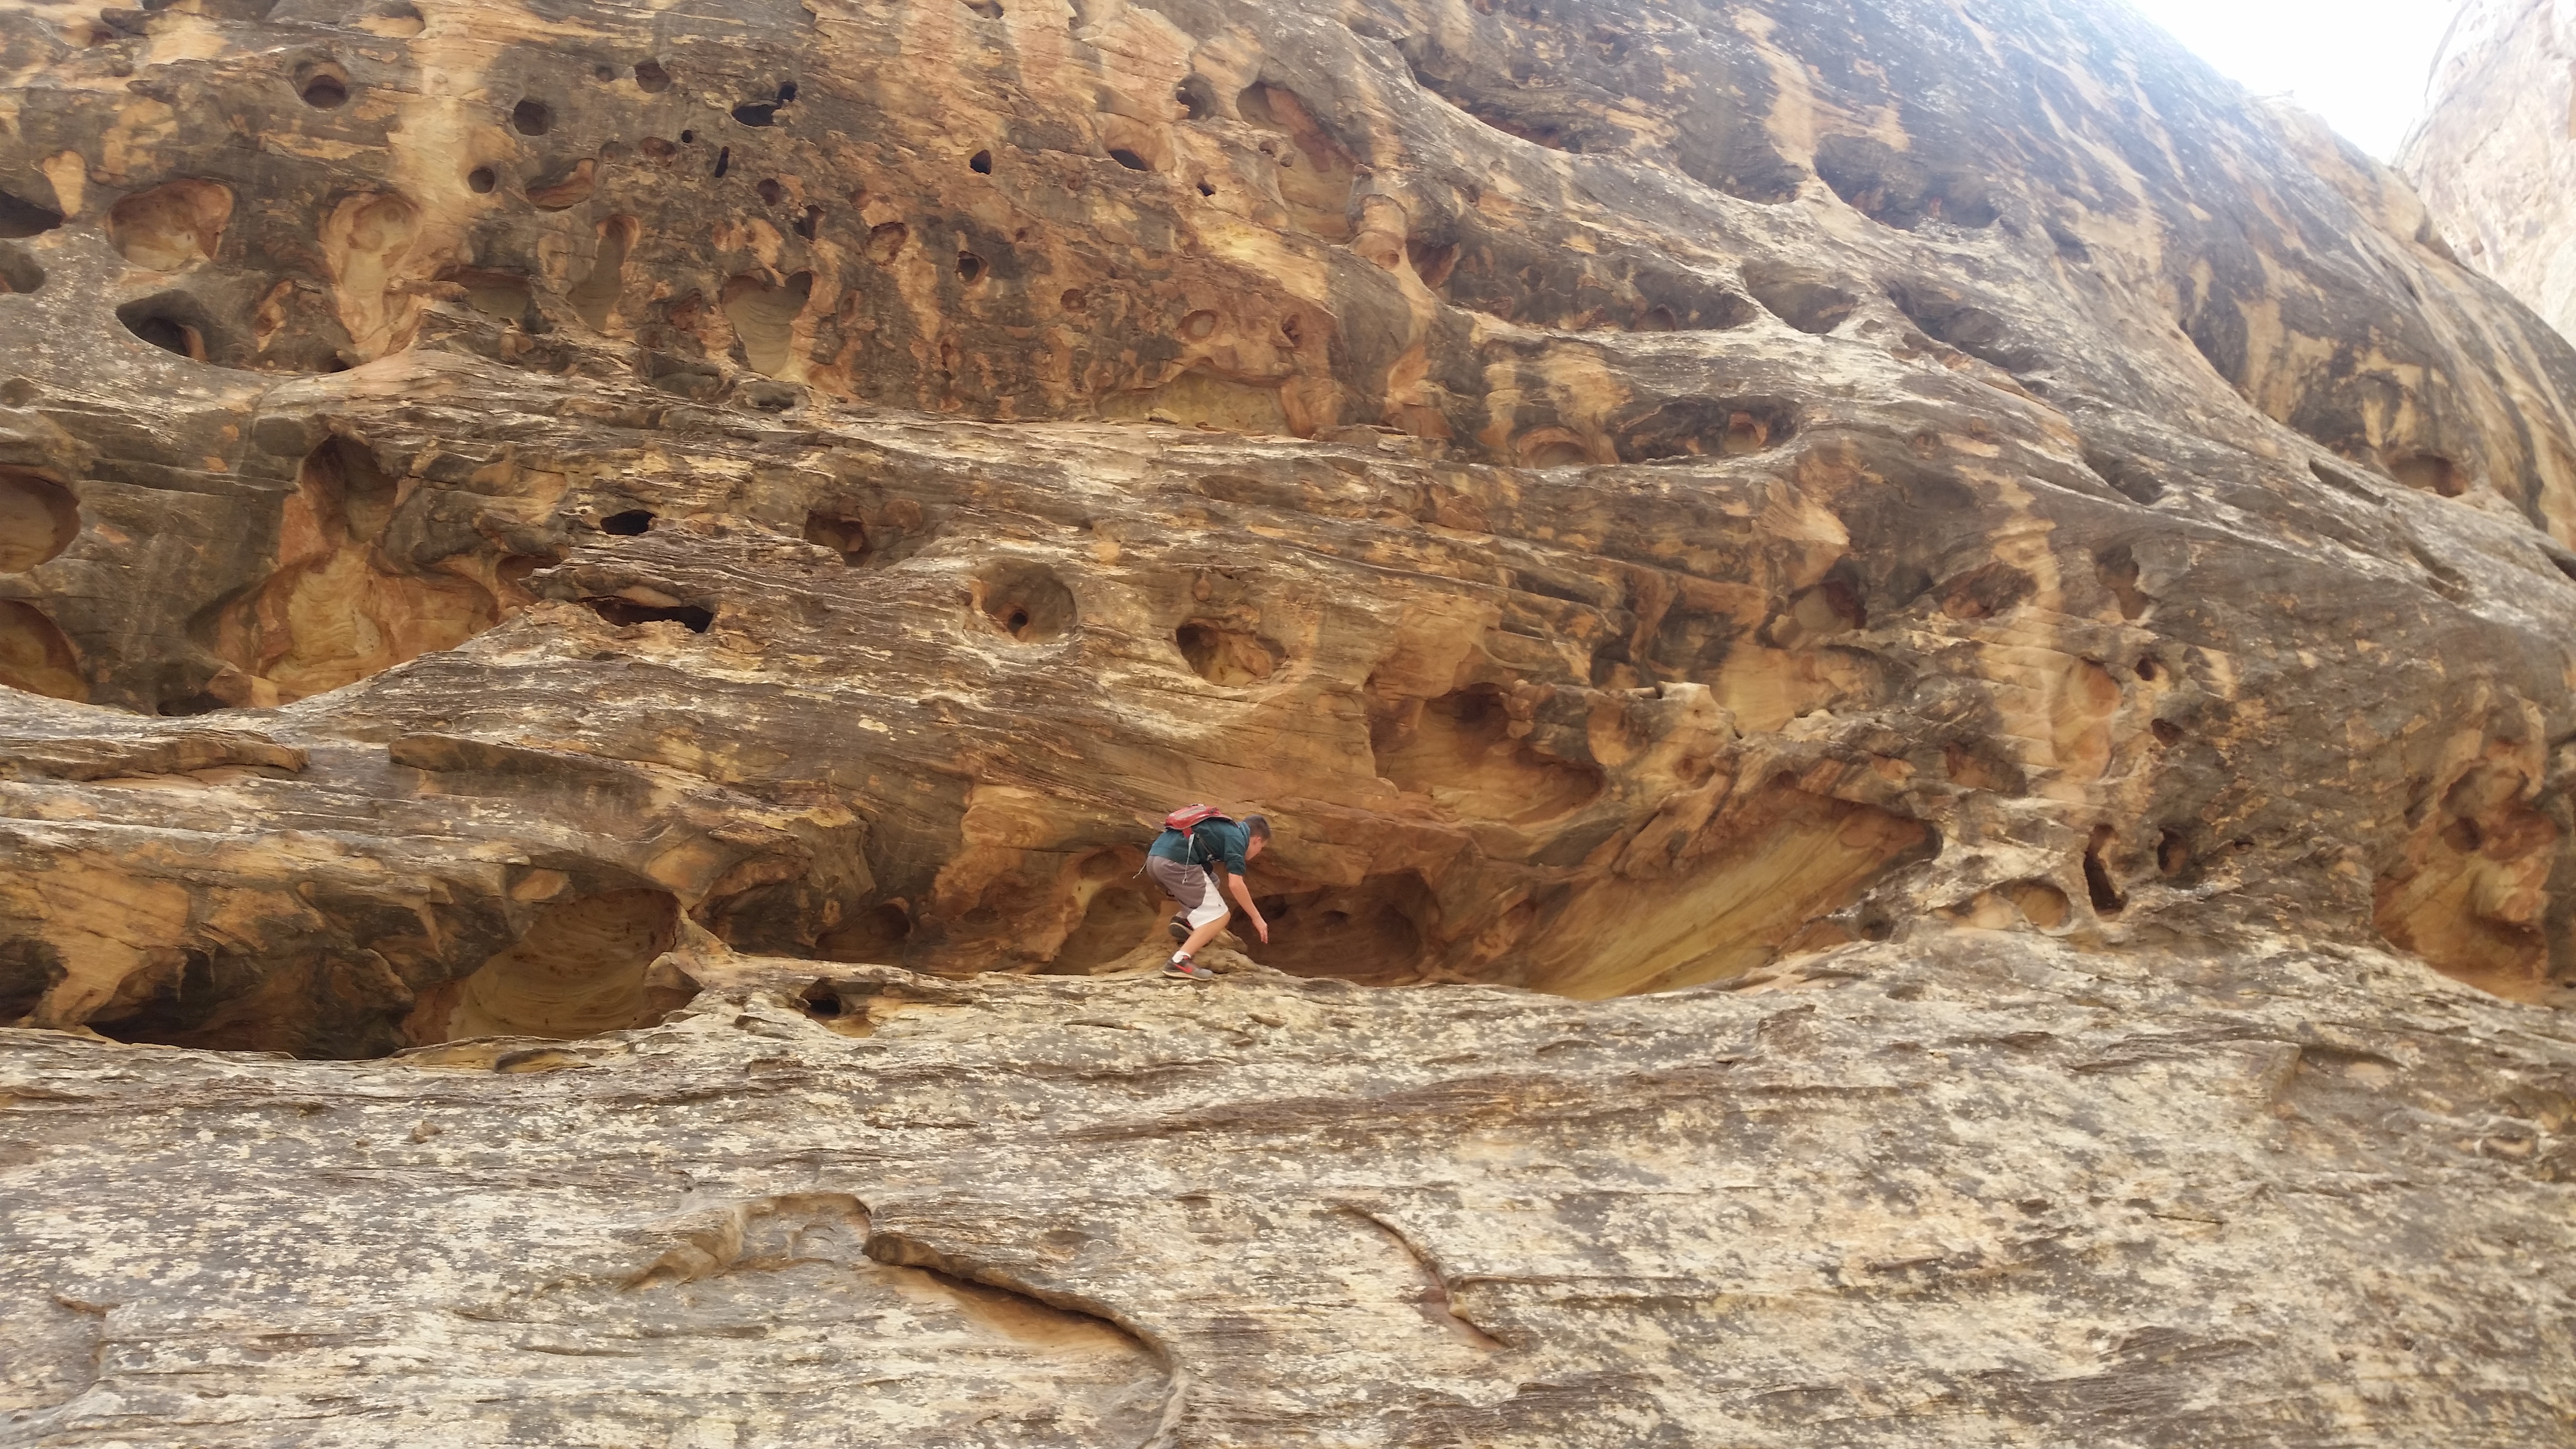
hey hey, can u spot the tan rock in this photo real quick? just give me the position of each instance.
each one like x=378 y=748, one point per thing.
x=1998 y=576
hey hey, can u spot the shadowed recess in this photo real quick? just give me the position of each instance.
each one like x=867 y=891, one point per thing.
x=34 y=655
x=38 y=519
x=584 y=967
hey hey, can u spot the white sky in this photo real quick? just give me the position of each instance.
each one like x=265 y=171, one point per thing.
x=2361 y=64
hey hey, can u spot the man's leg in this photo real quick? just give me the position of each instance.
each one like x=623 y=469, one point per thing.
x=1203 y=910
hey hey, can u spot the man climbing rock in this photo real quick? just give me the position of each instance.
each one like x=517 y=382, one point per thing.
x=1199 y=856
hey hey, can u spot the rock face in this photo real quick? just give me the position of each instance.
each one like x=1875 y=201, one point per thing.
x=2493 y=157
x=1958 y=611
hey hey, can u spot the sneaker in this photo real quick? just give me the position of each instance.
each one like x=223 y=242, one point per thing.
x=1180 y=928
x=1187 y=971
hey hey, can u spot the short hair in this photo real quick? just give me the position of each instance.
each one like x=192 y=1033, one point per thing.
x=1258 y=825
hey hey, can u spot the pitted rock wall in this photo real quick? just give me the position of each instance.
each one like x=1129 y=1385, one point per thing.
x=525 y=519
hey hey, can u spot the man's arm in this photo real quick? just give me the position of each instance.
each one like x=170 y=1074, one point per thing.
x=1243 y=897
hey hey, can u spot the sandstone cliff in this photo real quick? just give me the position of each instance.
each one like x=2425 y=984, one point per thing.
x=2494 y=157
x=1894 y=644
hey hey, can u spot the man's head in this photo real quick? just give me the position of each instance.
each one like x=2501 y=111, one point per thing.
x=1256 y=829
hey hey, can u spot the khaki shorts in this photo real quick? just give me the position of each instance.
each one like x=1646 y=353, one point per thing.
x=1194 y=886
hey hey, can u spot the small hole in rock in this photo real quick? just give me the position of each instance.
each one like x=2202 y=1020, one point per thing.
x=808 y=224
x=822 y=1000
x=532 y=118
x=169 y=334
x=770 y=192
x=1206 y=190
x=1129 y=159
x=981 y=163
x=688 y=138
x=2167 y=733
x=18 y=271
x=2107 y=899
x=324 y=88
x=2429 y=473
x=2150 y=669
x=989 y=9
x=651 y=76
x=764 y=114
x=481 y=180
x=1073 y=300
x=626 y=612
x=845 y=536
x=970 y=267
x=1025 y=600
x=20 y=217
x=2173 y=852
x=786 y=92
x=657 y=149
x=603 y=73
x=39 y=518
x=630 y=524
x=724 y=161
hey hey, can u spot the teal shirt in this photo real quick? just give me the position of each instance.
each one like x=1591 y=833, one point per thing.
x=1216 y=840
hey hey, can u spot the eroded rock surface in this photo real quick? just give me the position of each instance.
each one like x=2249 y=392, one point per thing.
x=2494 y=157
x=514 y=520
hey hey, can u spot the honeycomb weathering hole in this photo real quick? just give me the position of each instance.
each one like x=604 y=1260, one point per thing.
x=173 y=225
x=323 y=86
x=172 y=321
x=1805 y=300
x=1375 y=933
x=38 y=519
x=582 y=968
x=1689 y=428
x=340 y=606
x=652 y=76
x=627 y=613
x=532 y=118
x=764 y=316
x=840 y=533
x=1229 y=656
x=20 y=217
x=874 y=937
x=35 y=657
x=1763 y=880
x=1466 y=751
x=1024 y=600
x=18 y=271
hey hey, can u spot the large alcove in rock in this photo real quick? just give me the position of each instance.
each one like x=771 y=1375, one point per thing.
x=584 y=967
x=1120 y=911
x=1378 y=932
x=35 y=656
x=1762 y=880
x=343 y=601
x=38 y=519
x=1467 y=751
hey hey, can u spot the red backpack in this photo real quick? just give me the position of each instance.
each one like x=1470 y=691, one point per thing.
x=1191 y=817
x=1188 y=819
